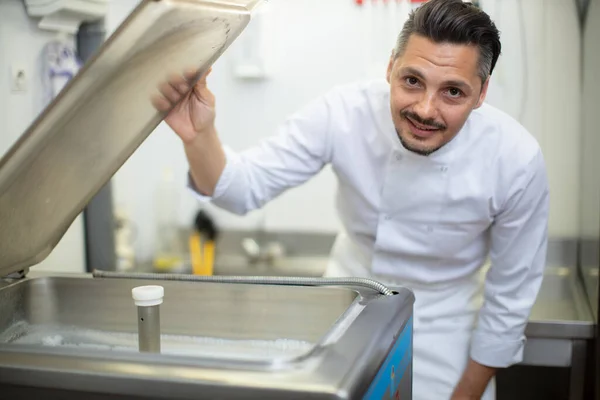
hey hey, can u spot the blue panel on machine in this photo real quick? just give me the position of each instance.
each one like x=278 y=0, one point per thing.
x=394 y=379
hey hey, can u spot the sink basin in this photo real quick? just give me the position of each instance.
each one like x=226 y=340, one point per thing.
x=222 y=340
x=212 y=321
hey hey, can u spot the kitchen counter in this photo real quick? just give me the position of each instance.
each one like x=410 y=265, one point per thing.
x=561 y=327
x=561 y=309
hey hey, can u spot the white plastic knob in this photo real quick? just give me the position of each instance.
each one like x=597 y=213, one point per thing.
x=148 y=296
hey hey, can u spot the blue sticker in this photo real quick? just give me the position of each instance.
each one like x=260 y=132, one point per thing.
x=388 y=383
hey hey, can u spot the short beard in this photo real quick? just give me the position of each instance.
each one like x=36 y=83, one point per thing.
x=427 y=122
x=422 y=152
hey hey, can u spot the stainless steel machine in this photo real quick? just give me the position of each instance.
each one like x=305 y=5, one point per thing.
x=84 y=337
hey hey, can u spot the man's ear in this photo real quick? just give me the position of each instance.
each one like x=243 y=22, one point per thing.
x=388 y=76
x=483 y=93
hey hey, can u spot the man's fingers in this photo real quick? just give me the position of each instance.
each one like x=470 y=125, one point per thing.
x=179 y=83
x=191 y=74
x=169 y=92
x=160 y=103
x=202 y=79
x=176 y=87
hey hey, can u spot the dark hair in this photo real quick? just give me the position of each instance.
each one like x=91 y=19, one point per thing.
x=457 y=22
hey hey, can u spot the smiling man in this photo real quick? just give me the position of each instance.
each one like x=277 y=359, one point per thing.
x=433 y=182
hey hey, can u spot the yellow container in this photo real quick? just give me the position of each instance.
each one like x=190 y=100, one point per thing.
x=202 y=252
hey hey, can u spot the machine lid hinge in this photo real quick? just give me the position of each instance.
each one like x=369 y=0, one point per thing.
x=18 y=274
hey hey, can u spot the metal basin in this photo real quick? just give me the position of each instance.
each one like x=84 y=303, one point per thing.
x=40 y=311
x=80 y=334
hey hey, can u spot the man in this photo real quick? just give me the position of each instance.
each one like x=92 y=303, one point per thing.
x=432 y=182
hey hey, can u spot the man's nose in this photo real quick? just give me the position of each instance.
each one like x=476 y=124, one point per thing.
x=426 y=107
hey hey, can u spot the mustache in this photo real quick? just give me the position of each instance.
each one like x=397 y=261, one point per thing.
x=423 y=121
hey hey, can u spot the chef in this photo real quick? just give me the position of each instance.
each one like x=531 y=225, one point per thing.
x=432 y=184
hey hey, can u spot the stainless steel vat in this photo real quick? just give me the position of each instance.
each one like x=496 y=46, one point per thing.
x=74 y=337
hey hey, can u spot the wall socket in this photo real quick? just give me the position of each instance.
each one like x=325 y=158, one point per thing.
x=19 y=78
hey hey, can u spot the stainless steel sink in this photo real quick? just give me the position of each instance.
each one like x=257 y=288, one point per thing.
x=219 y=340
x=235 y=312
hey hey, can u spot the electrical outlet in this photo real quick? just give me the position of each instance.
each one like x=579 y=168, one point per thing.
x=18 y=78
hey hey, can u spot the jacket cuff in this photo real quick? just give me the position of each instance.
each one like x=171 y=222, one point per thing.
x=496 y=353
x=223 y=182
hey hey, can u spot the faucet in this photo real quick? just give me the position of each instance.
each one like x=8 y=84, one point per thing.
x=254 y=249
x=257 y=253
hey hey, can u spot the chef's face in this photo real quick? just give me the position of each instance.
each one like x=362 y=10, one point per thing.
x=434 y=87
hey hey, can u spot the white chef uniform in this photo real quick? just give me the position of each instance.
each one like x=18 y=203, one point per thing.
x=425 y=222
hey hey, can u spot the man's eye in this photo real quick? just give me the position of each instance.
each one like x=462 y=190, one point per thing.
x=412 y=81
x=454 y=92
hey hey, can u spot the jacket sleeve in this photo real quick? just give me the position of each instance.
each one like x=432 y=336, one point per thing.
x=299 y=150
x=518 y=257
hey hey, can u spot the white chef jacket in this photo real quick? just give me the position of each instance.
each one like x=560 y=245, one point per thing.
x=426 y=219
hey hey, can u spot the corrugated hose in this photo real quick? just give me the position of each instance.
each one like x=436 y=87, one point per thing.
x=260 y=280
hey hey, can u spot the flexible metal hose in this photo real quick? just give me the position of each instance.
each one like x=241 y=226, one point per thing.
x=261 y=280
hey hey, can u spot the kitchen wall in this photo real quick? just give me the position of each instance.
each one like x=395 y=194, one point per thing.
x=313 y=45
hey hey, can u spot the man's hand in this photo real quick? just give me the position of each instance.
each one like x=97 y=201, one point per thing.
x=194 y=111
x=191 y=108
x=473 y=382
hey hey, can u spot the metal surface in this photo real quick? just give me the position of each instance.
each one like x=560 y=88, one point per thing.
x=589 y=264
x=560 y=327
x=577 y=373
x=98 y=215
x=545 y=352
x=561 y=309
x=346 y=334
x=94 y=125
x=149 y=329
x=261 y=280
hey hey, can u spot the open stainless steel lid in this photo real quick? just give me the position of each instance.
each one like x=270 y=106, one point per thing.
x=101 y=117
